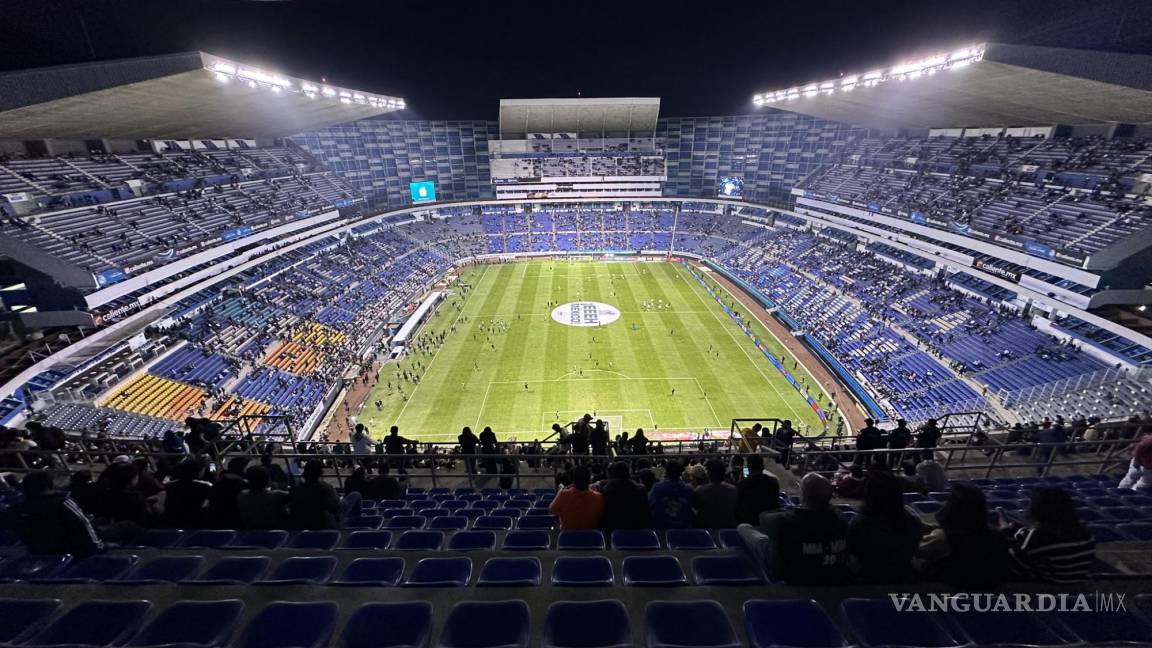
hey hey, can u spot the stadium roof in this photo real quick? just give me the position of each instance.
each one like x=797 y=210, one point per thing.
x=179 y=96
x=519 y=117
x=987 y=85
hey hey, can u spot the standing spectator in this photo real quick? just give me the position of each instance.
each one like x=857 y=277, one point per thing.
x=898 y=439
x=576 y=506
x=639 y=442
x=48 y=522
x=756 y=493
x=394 y=446
x=964 y=551
x=785 y=437
x=599 y=439
x=1054 y=546
x=488 y=447
x=314 y=504
x=715 y=501
x=361 y=441
x=259 y=507
x=927 y=438
x=1139 y=476
x=883 y=537
x=670 y=499
x=468 y=442
x=868 y=438
x=580 y=437
x=625 y=501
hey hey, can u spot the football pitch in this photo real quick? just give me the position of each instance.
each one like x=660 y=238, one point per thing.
x=658 y=353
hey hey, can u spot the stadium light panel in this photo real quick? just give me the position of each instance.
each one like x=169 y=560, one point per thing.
x=225 y=72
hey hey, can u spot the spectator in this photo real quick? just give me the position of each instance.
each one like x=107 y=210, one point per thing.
x=807 y=545
x=383 y=486
x=488 y=447
x=599 y=438
x=1139 y=476
x=639 y=442
x=222 y=511
x=696 y=476
x=850 y=483
x=259 y=507
x=625 y=501
x=82 y=489
x=932 y=476
x=186 y=496
x=785 y=437
x=48 y=522
x=394 y=444
x=1054 y=546
x=927 y=438
x=314 y=504
x=868 y=438
x=576 y=506
x=715 y=502
x=883 y=537
x=964 y=551
x=361 y=441
x=121 y=502
x=468 y=442
x=670 y=500
x=756 y=493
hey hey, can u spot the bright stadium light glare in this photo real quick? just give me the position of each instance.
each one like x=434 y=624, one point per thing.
x=255 y=78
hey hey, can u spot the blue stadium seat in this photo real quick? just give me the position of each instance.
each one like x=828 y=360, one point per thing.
x=163 y=569
x=526 y=541
x=876 y=622
x=388 y=514
x=208 y=539
x=260 y=540
x=32 y=567
x=440 y=572
x=798 y=624
x=1003 y=629
x=1105 y=628
x=406 y=624
x=434 y=513
x=406 y=522
x=469 y=513
x=730 y=539
x=1104 y=533
x=439 y=491
x=566 y=625
x=368 y=540
x=472 y=541
x=323 y=540
x=384 y=505
x=420 y=541
x=372 y=572
x=582 y=571
x=156 y=538
x=301 y=570
x=583 y=540
x=521 y=572
x=22 y=617
x=536 y=522
x=464 y=490
x=653 y=571
x=422 y=504
x=491 y=490
x=727 y=569
x=232 y=570
x=485 y=505
x=284 y=624
x=681 y=624
x=689 y=540
x=93 y=623
x=191 y=624
x=486 y=624
x=635 y=540
x=94 y=569
x=453 y=504
x=448 y=523
x=513 y=513
x=927 y=508
x=1137 y=531
x=491 y=522
x=1124 y=513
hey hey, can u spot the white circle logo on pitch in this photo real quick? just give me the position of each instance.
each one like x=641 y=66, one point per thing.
x=585 y=314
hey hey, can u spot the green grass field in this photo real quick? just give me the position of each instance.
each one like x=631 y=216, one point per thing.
x=623 y=375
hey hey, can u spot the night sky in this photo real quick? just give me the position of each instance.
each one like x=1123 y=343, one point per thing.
x=455 y=60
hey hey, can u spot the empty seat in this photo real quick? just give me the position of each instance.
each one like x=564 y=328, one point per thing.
x=22 y=617
x=441 y=572
x=448 y=522
x=94 y=569
x=582 y=571
x=472 y=541
x=1104 y=533
x=493 y=523
x=379 y=572
x=730 y=539
x=208 y=539
x=233 y=570
x=94 y=623
x=522 y=572
x=260 y=540
x=526 y=541
x=536 y=522
x=368 y=540
x=405 y=624
x=635 y=540
x=583 y=540
x=701 y=624
x=284 y=624
x=653 y=571
x=469 y=513
x=192 y=623
x=406 y=522
x=1098 y=628
x=513 y=513
x=323 y=540
x=420 y=541
x=165 y=569
x=799 y=624
x=689 y=539
x=730 y=569
x=33 y=567
x=156 y=538
x=877 y=622
x=994 y=628
x=486 y=624
x=366 y=522
x=566 y=625
x=1136 y=531
x=301 y=570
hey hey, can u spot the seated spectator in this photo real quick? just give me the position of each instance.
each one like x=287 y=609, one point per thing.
x=715 y=502
x=932 y=476
x=120 y=502
x=84 y=491
x=883 y=537
x=807 y=545
x=964 y=551
x=1139 y=476
x=357 y=482
x=259 y=507
x=186 y=496
x=576 y=506
x=850 y=482
x=383 y=486
x=314 y=504
x=48 y=522
x=222 y=511
x=1053 y=546
x=670 y=499
x=696 y=476
x=756 y=493
x=625 y=501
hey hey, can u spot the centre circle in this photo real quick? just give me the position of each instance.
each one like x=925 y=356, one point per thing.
x=585 y=313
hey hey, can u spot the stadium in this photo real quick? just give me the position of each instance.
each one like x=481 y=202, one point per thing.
x=286 y=363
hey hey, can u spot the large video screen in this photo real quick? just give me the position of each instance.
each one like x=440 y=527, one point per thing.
x=730 y=187
x=423 y=191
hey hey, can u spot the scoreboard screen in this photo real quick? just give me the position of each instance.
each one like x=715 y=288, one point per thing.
x=730 y=187
x=423 y=191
